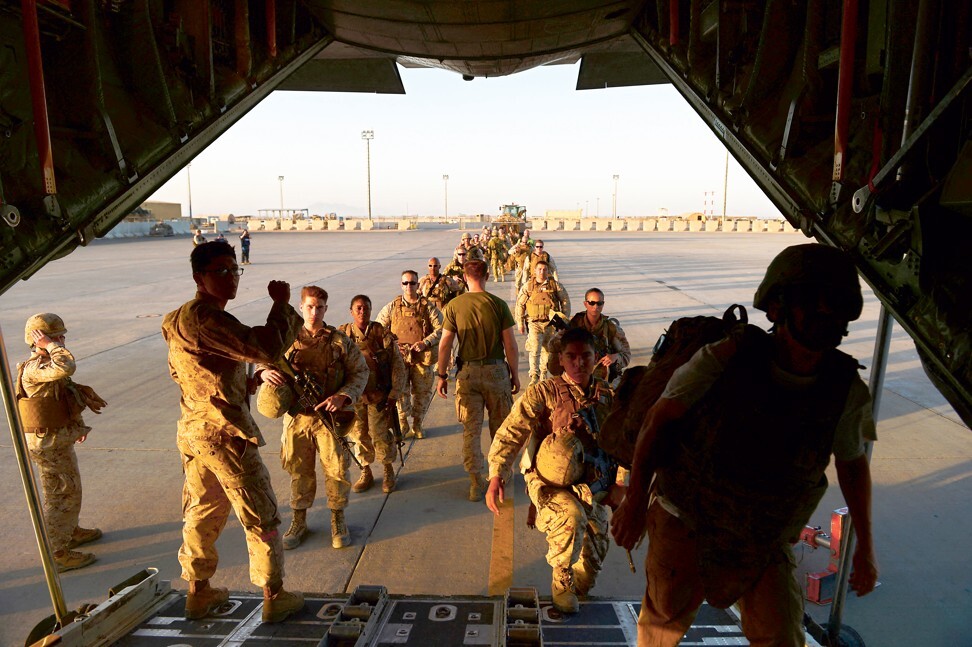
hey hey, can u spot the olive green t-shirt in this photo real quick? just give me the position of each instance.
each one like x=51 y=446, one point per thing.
x=478 y=319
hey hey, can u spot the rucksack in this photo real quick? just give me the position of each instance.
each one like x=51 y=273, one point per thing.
x=641 y=386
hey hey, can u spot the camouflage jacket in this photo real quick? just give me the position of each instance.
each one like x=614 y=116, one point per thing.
x=208 y=352
x=609 y=337
x=375 y=339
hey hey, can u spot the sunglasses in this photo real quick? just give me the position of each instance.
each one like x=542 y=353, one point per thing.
x=435 y=266
x=409 y=282
x=595 y=303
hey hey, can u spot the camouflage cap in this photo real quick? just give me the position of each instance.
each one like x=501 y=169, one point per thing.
x=46 y=322
x=560 y=459
x=813 y=265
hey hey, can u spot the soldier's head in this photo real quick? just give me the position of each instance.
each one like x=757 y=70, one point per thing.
x=577 y=354
x=538 y=247
x=361 y=310
x=810 y=293
x=526 y=234
x=434 y=266
x=313 y=305
x=594 y=302
x=410 y=284
x=541 y=271
x=465 y=237
x=44 y=324
x=475 y=270
x=215 y=271
x=460 y=255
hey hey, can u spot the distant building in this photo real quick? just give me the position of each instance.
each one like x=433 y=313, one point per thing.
x=163 y=210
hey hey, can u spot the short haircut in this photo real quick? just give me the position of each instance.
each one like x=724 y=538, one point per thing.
x=360 y=297
x=598 y=290
x=537 y=242
x=412 y=272
x=539 y=263
x=475 y=269
x=203 y=255
x=573 y=335
x=313 y=291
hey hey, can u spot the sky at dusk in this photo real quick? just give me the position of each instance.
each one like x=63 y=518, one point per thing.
x=529 y=138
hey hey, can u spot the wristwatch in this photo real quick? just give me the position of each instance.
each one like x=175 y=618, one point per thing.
x=442 y=376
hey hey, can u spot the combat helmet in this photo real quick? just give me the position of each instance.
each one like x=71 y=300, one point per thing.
x=46 y=322
x=560 y=459
x=813 y=265
x=273 y=401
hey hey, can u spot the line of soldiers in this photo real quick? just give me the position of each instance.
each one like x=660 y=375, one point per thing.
x=330 y=383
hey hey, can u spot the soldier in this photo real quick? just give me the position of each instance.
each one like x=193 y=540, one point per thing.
x=454 y=269
x=373 y=412
x=613 y=353
x=539 y=297
x=473 y=251
x=751 y=422
x=245 y=247
x=485 y=377
x=569 y=479
x=218 y=439
x=497 y=256
x=50 y=406
x=440 y=288
x=417 y=324
x=331 y=359
x=539 y=255
x=521 y=255
x=198 y=239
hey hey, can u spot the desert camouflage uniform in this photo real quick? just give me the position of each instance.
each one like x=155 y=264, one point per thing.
x=531 y=262
x=534 y=304
x=331 y=358
x=609 y=338
x=52 y=450
x=497 y=258
x=442 y=289
x=217 y=436
x=372 y=427
x=575 y=524
x=521 y=256
x=412 y=323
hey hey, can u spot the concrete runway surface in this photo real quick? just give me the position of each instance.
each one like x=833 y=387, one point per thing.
x=425 y=538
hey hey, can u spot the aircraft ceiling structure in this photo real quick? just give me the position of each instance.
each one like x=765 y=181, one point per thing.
x=853 y=116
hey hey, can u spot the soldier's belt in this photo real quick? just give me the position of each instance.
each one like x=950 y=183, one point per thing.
x=482 y=362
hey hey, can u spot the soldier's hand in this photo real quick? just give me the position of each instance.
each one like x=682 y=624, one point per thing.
x=41 y=340
x=442 y=386
x=273 y=376
x=279 y=291
x=81 y=439
x=607 y=360
x=531 y=519
x=628 y=522
x=419 y=347
x=495 y=494
x=615 y=495
x=333 y=403
x=515 y=381
x=522 y=328
x=863 y=578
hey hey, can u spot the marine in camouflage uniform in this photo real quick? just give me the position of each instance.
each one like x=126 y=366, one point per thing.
x=50 y=406
x=333 y=360
x=454 y=268
x=417 y=324
x=497 y=257
x=538 y=298
x=483 y=326
x=372 y=431
x=610 y=343
x=520 y=255
x=571 y=512
x=218 y=438
x=535 y=257
x=438 y=287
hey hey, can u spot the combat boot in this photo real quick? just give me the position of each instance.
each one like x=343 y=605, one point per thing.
x=278 y=606
x=297 y=531
x=340 y=535
x=562 y=590
x=68 y=560
x=203 y=599
x=388 y=484
x=477 y=486
x=82 y=536
x=417 y=433
x=365 y=481
x=406 y=430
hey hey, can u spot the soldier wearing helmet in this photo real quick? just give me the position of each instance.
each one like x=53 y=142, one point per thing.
x=751 y=422
x=50 y=405
x=570 y=480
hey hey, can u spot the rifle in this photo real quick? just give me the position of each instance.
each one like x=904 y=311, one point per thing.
x=396 y=426
x=309 y=394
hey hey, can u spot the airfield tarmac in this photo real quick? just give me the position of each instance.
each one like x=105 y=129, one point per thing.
x=425 y=538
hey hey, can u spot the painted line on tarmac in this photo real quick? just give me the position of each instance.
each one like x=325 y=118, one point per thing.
x=501 y=552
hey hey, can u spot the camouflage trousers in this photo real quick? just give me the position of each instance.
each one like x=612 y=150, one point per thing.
x=305 y=439
x=538 y=336
x=223 y=473
x=372 y=435
x=415 y=398
x=772 y=610
x=480 y=388
x=575 y=531
x=497 y=269
x=53 y=454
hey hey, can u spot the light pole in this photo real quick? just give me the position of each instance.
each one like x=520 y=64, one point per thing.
x=445 y=181
x=598 y=212
x=189 y=185
x=614 y=199
x=280 y=179
x=368 y=135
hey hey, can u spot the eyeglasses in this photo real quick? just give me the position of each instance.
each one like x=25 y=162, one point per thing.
x=539 y=246
x=409 y=282
x=435 y=266
x=595 y=303
x=460 y=255
x=223 y=272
